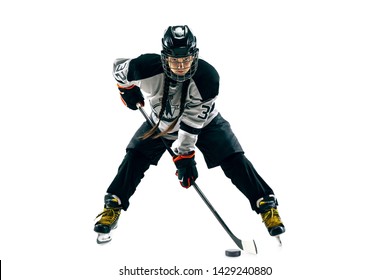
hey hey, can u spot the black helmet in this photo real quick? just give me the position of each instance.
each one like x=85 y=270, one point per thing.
x=178 y=41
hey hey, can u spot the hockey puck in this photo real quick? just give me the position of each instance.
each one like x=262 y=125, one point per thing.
x=233 y=252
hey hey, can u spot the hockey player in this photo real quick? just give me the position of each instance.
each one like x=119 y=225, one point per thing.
x=182 y=90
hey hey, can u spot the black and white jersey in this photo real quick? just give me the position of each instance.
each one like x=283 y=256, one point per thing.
x=146 y=72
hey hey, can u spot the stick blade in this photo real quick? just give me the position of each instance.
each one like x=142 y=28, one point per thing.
x=249 y=247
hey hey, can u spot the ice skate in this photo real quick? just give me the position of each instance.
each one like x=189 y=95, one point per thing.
x=109 y=218
x=270 y=215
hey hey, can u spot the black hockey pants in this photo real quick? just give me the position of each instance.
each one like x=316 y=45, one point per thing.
x=219 y=147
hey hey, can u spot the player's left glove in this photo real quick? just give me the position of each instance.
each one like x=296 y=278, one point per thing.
x=186 y=169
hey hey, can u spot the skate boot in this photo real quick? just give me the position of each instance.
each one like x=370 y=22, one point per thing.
x=270 y=215
x=109 y=218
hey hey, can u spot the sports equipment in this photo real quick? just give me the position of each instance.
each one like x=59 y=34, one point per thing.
x=248 y=246
x=131 y=96
x=109 y=218
x=232 y=253
x=186 y=169
x=179 y=42
x=270 y=215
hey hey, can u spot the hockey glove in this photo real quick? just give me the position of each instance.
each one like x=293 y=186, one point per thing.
x=186 y=169
x=131 y=96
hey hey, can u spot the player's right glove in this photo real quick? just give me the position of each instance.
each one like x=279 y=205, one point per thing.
x=131 y=96
x=186 y=169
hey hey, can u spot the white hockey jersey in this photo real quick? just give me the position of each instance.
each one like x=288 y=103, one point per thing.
x=146 y=72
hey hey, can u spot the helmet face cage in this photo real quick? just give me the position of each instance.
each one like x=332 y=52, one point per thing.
x=179 y=42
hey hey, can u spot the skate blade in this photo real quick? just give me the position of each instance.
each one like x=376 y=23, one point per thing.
x=279 y=240
x=103 y=238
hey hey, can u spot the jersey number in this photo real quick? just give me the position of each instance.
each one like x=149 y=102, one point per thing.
x=119 y=73
x=205 y=113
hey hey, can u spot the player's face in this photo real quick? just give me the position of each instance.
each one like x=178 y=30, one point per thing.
x=180 y=65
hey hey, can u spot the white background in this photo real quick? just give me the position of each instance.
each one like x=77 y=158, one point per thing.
x=304 y=85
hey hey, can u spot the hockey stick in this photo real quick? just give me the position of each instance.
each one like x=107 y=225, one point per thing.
x=248 y=246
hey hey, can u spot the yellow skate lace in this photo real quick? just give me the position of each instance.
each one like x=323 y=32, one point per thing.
x=109 y=216
x=271 y=218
